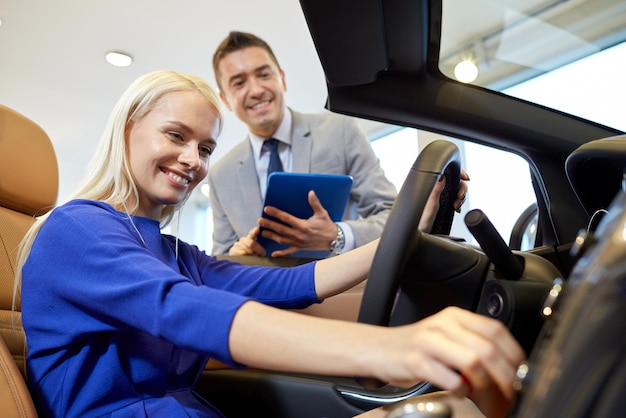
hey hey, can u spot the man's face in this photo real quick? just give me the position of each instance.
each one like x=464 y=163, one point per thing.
x=253 y=87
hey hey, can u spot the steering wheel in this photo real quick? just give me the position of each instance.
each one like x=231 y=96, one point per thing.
x=401 y=233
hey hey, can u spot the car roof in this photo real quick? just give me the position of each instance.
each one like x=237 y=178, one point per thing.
x=382 y=63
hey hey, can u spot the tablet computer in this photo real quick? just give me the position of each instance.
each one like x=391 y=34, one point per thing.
x=289 y=192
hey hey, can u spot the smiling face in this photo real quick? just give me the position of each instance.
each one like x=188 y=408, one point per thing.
x=254 y=88
x=169 y=150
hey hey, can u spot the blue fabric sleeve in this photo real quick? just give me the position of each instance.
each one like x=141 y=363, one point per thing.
x=106 y=279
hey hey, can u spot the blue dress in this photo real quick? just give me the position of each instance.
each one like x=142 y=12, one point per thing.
x=119 y=327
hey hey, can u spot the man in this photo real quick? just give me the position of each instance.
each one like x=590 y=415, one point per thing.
x=252 y=85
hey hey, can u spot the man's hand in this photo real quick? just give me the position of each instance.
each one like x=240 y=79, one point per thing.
x=248 y=245
x=314 y=233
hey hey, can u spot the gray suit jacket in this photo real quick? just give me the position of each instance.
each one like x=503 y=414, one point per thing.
x=321 y=143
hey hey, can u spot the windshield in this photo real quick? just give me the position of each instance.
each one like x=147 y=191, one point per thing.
x=567 y=55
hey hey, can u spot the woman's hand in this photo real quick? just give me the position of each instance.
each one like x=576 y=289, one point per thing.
x=459 y=351
x=432 y=205
x=248 y=245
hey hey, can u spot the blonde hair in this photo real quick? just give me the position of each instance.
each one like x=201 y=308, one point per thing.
x=108 y=176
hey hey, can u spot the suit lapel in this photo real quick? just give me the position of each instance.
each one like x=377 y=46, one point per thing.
x=301 y=144
x=248 y=183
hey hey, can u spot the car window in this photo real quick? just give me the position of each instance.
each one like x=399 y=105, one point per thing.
x=548 y=52
x=504 y=198
x=571 y=88
x=500 y=182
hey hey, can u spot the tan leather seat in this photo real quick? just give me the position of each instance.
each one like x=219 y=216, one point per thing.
x=28 y=187
x=15 y=401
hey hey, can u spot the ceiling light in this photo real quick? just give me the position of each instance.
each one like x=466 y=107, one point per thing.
x=119 y=59
x=466 y=71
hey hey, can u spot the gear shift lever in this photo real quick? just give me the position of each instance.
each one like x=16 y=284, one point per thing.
x=493 y=245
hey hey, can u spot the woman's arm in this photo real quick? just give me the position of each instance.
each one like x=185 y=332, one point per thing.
x=436 y=349
x=337 y=274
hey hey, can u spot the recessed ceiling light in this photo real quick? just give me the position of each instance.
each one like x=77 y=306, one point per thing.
x=119 y=59
x=466 y=71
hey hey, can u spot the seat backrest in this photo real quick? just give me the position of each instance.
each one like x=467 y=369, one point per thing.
x=15 y=400
x=28 y=188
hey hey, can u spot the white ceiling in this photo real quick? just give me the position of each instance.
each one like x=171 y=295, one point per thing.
x=53 y=69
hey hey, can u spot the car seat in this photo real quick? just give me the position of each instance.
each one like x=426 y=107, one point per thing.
x=28 y=188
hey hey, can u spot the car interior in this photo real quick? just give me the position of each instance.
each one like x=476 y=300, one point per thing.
x=563 y=298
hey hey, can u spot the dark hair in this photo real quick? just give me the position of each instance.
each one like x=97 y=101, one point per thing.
x=236 y=41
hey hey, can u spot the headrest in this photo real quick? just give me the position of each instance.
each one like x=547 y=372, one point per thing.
x=596 y=171
x=29 y=176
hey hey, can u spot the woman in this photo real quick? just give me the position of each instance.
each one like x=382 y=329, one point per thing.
x=121 y=319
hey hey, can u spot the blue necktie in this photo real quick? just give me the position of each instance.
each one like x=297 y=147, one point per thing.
x=274 y=164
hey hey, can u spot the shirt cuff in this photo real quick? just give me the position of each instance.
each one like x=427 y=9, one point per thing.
x=350 y=243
